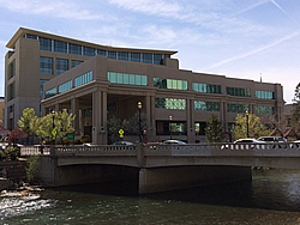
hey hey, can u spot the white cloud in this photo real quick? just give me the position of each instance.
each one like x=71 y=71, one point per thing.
x=59 y=9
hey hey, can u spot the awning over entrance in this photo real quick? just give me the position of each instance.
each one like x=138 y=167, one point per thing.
x=3 y=130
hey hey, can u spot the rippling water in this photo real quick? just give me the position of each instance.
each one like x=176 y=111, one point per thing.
x=273 y=197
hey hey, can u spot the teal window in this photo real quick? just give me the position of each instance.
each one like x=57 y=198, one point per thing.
x=45 y=44
x=206 y=106
x=65 y=87
x=50 y=93
x=264 y=110
x=237 y=108
x=89 y=51
x=60 y=46
x=241 y=92
x=75 y=49
x=75 y=63
x=62 y=65
x=124 y=78
x=42 y=87
x=207 y=88
x=265 y=94
x=170 y=84
x=83 y=79
x=170 y=103
x=46 y=65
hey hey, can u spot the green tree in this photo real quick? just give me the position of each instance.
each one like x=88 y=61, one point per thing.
x=113 y=127
x=64 y=123
x=295 y=113
x=132 y=125
x=214 y=130
x=26 y=120
x=255 y=128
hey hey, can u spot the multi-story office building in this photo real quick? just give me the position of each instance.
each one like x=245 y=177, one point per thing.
x=1 y=109
x=96 y=82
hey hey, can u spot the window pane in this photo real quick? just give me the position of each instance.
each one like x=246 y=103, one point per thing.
x=61 y=66
x=75 y=49
x=45 y=44
x=46 y=65
x=60 y=46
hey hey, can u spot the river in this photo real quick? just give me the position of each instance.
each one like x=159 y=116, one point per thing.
x=273 y=197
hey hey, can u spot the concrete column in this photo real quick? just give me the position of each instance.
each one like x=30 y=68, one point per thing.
x=96 y=117
x=75 y=111
x=104 y=118
x=190 y=121
x=223 y=111
x=152 y=133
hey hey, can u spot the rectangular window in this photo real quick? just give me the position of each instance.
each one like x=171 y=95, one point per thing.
x=46 y=65
x=30 y=36
x=61 y=66
x=264 y=110
x=12 y=69
x=50 y=93
x=41 y=87
x=101 y=52
x=237 y=108
x=241 y=92
x=45 y=44
x=131 y=79
x=11 y=91
x=158 y=59
x=170 y=103
x=89 y=51
x=200 y=128
x=206 y=106
x=147 y=58
x=112 y=55
x=123 y=56
x=65 y=87
x=60 y=46
x=83 y=79
x=135 y=57
x=170 y=84
x=75 y=63
x=265 y=94
x=75 y=49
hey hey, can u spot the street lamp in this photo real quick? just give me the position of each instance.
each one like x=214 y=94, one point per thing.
x=140 y=106
x=53 y=126
x=247 y=123
x=170 y=130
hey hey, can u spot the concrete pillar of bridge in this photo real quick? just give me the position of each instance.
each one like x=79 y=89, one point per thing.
x=171 y=178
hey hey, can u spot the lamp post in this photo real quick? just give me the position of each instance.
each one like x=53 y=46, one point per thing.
x=170 y=129
x=53 y=126
x=140 y=106
x=247 y=123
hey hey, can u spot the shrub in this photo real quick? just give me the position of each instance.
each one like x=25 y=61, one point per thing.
x=12 y=153
x=32 y=166
x=85 y=138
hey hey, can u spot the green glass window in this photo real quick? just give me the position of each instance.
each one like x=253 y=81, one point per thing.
x=42 y=87
x=50 y=93
x=170 y=84
x=207 y=88
x=206 y=106
x=241 y=92
x=135 y=57
x=264 y=110
x=237 y=108
x=65 y=87
x=170 y=103
x=265 y=94
x=131 y=79
x=83 y=79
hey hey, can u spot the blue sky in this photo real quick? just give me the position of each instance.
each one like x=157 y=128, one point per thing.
x=237 y=38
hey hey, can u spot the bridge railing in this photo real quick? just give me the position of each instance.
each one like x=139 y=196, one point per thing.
x=225 y=149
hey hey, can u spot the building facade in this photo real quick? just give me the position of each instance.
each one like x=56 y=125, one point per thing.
x=96 y=82
x=1 y=109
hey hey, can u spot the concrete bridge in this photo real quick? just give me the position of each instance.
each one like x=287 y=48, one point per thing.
x=163 y=167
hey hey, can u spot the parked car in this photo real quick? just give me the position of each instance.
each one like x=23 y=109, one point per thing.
x=88 y=144
x=122 y=143
x=173 y=142
x=247 y=140
x=272 y=139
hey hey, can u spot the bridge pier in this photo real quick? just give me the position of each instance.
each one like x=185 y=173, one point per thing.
x=171 y=178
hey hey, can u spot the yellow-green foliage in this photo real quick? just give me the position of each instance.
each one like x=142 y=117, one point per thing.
x=32 y=167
